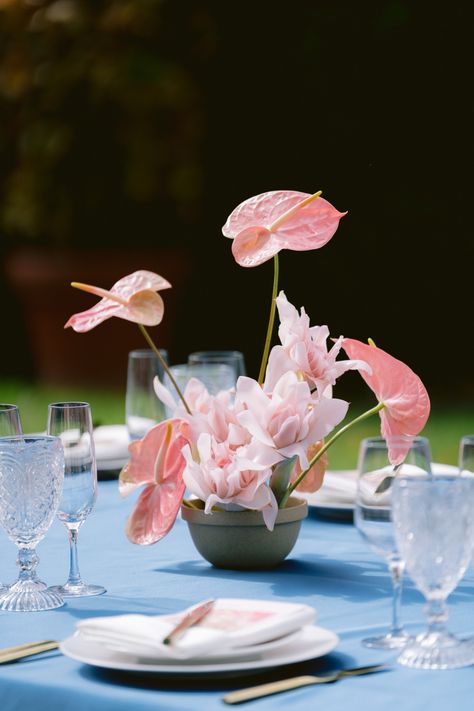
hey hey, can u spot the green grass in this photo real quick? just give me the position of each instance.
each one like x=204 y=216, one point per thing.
x=447 y=424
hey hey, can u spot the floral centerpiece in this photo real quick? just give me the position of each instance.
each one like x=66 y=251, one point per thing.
x=253 y=446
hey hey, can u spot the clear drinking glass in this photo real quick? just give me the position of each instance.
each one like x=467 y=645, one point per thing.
x=215 y=377
x=373 y=516
x=434 y=529
x=10 y=422
x=234 y=359
x=143 y=409
x=31 y=478
x=72 y=422
x=466 y=454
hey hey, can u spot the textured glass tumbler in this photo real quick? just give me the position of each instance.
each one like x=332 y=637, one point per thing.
x=374 y=520
x=10 y=425
x=434 y=528
x=72 y=422
x=466 y=455
x=31 y=478
x=143 y=409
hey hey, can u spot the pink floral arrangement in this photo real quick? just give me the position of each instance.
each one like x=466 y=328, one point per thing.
x=254 y=445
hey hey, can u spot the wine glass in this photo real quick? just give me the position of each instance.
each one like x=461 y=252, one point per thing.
x=10 y=422
x=31 y=478
x=72 y=422
x=373 y=515
x=143 y=409
x=433 y=520
x=466 y=455
x=234 y=359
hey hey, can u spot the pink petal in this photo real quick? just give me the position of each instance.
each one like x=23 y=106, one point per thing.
x=407 y=404
x=281 y=219
x=314 y=478
x=155 y=512
x=132 y=298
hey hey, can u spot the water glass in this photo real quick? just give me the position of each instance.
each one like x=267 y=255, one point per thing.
x=215 y=377
x=466 y=454
x=31 y=478
x=234 y=359
x=143 y=409
x=10 y=422
x=72 y=422
x=434 y=529
x=373 y=516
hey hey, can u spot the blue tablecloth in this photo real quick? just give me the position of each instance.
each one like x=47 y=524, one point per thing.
x=331 y=568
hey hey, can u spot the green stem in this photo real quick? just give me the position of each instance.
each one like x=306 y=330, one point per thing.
x=325 y=447
x=271 y=321
x=149 y=340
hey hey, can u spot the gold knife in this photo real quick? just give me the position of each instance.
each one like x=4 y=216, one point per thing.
x=10 y=654
x=276 y=687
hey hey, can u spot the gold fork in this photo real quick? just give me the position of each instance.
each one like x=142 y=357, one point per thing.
x=10 y=654
x=276 y=687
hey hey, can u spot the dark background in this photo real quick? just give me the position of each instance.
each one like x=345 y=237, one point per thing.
x=131 y=126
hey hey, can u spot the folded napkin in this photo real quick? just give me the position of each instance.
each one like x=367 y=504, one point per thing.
x=232 y=624
x=111 y=442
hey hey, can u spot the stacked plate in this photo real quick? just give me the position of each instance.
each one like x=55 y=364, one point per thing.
x=279 y=631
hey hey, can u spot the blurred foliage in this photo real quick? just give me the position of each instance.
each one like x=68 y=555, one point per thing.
x=102 y=118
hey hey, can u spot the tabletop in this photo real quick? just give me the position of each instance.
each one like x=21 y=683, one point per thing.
x=331 y=568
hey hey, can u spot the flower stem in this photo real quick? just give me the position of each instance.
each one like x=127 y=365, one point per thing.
x=325 y=447
x=150 y=342
x=271 y=321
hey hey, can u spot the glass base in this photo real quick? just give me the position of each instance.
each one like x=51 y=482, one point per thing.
x=80 y=590
x=29 y=596
x=437 y=650
x=391 y=640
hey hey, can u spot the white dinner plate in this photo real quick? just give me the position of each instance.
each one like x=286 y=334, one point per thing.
x=311 y=642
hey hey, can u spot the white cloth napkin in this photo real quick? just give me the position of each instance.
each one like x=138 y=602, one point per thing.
x=231 y=624
x=111 y=442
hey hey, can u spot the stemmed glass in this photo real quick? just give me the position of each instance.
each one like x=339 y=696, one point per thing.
x=31 y=477
x=10 y=422
x=72 y=422
x=373 y=515
x=143 y=409
x=234 y=359
x=434 y=529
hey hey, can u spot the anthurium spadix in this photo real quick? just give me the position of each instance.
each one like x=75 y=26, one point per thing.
x=132 y=298
x=263 y=225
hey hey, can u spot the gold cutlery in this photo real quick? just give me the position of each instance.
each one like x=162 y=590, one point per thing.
x=192 y=617
x=276 y=687
x=10 y=654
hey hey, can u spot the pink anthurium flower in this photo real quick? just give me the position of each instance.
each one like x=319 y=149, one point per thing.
x=157 y=463
x=132 y=298
x=280 y=219
x=406 y=401
x=313 y=480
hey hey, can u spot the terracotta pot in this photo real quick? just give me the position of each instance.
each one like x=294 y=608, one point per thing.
x=40 y=279
x=239 y=540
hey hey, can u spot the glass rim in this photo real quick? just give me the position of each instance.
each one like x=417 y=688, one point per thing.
x=69 y=405
x=398 y=440
x=146 y=353
x=467 y=439
x=29 y=437
x=216 y=354
x=7 y=407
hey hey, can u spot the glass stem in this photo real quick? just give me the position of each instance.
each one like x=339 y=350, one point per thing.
x=74 y=574
x=27 y=561
x=437 y=613
x=397 y=567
